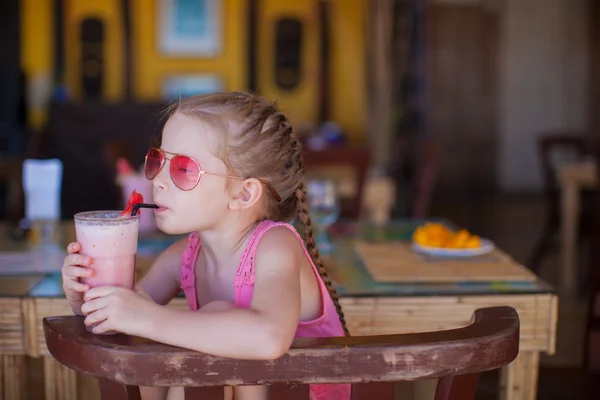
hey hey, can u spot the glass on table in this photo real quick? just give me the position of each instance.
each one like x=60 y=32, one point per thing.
x=324 y=206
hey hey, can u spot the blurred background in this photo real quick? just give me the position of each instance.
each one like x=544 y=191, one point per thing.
x=484 y=79
x=450 y=99
x=482 y=112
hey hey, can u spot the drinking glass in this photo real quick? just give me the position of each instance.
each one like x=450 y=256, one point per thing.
x=112 y=243
x=324 y=205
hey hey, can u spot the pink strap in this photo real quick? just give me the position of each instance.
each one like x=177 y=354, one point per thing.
x=244 y=277
x=188 y=263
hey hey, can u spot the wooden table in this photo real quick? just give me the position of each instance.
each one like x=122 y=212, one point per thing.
x=572 y=177
x=371 y=308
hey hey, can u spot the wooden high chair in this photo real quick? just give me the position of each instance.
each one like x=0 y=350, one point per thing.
x=370 y=363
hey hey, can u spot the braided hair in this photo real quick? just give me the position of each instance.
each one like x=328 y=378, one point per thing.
x=258 y=141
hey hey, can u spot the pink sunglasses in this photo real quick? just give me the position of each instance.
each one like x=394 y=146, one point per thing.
x=185 y=171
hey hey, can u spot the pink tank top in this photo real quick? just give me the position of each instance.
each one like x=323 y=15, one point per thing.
x=326 y=325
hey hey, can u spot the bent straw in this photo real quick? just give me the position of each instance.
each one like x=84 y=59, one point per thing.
x=141 y=205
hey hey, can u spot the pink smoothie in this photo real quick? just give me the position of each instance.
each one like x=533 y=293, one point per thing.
x=112 y=243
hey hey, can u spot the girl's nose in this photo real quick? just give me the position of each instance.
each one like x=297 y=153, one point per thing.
x=160 y=181
x=158 y=184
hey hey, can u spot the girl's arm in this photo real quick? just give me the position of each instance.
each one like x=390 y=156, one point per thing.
x=161 y=283
x=264 y=331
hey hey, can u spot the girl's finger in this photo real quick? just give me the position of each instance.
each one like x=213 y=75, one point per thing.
x=98 y=291
x=73 y=247
x=104 y=327
x=77 y=272
x=96 y=317
x=78 y=287
x=78 y=259
x=92 y=306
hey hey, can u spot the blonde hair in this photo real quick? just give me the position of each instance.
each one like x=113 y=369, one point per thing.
x=252 y=128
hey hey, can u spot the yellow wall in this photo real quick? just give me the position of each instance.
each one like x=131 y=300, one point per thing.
x=107 y=11
x=347 y=59
x=348 y=66
x=36 y=49
x=150 y=67
x=299 y=104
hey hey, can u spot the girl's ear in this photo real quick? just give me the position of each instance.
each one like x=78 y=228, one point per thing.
x=246 y=194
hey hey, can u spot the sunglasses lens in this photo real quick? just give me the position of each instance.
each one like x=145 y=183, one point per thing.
x=154 y=160
x=185 y=172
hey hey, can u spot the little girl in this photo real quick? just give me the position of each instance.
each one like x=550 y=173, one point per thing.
x=230 y=171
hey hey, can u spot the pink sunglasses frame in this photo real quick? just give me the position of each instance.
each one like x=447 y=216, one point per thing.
x=201 y=172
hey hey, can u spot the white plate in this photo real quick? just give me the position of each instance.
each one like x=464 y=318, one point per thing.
x=486 y=247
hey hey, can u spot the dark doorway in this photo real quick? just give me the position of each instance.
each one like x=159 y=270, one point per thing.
x=12 y=105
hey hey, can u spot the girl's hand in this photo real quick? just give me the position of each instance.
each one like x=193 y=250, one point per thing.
x=74 y=268
x=112 y=308
x=139 y=290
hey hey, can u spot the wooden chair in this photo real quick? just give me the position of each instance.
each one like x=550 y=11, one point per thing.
x=370 y=363
x=353 y=160
x=378 y=199
x=572 y=147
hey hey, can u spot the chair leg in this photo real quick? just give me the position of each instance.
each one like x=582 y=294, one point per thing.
x=459 y=387
x=373 y=390
x=541 y=249
x=110 y=390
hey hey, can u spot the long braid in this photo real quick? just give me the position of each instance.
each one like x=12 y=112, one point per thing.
x=309 y=240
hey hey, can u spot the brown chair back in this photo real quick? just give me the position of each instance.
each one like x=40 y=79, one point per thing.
x=556 y=148
x=370 y=363
x=356 y=161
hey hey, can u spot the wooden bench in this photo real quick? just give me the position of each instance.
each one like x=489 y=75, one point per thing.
x=371 y=363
